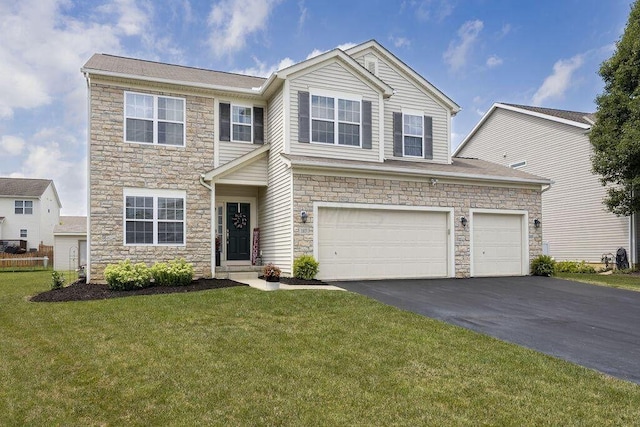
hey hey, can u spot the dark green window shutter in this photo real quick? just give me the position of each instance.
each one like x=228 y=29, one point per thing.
x=397 y=134
x=225 y=122
x=428 y=137
x=303 y=116
x=366 y=124
x=258 y=125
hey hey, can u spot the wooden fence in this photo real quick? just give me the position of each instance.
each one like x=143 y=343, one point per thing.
x=27 y=260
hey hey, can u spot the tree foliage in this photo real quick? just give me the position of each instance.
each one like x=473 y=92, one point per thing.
x=615 y=137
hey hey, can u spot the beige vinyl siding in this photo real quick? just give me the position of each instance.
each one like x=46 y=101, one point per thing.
x=232 y=150
x=407 y=95
x=275 y=201
x=239 y=191
x=252 y=174
x=334 y=77
x=574 y=220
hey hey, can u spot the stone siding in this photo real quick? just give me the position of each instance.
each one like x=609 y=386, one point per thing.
x=115 y=164
x=308 y=189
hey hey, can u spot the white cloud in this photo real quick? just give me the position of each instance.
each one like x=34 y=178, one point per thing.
x=456 y=55
x=400 y=41
x=427 y=10
x=261 y=69
x=11 y=145
x=555 y=85
x=494 y=61
x=304 y=12
x=132 y=20
x=232 y=21
x=343 y=46
x=506 y=29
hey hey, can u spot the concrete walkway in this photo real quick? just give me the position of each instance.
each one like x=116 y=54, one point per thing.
x=261 y=284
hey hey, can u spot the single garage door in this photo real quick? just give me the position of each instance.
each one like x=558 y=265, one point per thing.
x=497 y=245
x=356 y=243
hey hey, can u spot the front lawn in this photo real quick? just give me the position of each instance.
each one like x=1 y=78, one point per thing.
x=624 y=281
x=239 y=356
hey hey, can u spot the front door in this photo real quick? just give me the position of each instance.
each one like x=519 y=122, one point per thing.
x=238 y=231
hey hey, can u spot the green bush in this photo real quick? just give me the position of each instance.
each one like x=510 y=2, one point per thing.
x=543 y=265
x=305 y=267
x=57 y=280
x=574 y=267
x=174 y=273
x=126 y=276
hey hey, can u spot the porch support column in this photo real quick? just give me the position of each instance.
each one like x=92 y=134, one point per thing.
x=214 y=218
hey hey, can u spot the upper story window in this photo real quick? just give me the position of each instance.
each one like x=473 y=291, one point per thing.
x=154 y=119
x=240 y=123
x=154 y=217
x=412 y=135
x=23 y=207
x=329 y=114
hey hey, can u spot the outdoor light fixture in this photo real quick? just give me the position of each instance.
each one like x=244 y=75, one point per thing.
x=464 y=221
x=536 y=223
x=304 y=216
x=434 y=181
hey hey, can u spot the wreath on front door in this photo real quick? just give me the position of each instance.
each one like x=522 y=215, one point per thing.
x=239 y=220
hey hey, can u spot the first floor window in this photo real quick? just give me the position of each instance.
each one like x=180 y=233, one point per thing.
x=154 y=218
x=412 y=136
x=23 y=233
x=23 y=207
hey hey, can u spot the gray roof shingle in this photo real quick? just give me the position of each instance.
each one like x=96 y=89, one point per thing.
x=575 y=116
x=149 y=69
x=23 y=187
x=71 y=225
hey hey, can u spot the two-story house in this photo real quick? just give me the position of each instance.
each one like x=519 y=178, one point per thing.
x=29 y=210
x=344 y=156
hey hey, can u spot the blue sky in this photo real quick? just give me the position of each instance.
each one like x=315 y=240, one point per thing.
x=477 y=52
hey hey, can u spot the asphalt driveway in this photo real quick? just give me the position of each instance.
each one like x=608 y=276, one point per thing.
x=594 y=326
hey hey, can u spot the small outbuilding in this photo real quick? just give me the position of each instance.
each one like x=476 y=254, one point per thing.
x=70 y=243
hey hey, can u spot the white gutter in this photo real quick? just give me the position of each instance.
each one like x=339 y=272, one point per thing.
x=414 y=172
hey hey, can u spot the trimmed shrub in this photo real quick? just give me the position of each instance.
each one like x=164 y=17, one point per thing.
x=543 y=265
x=574 y=267
x=305 y=267
x=174 y=273
x=57 y=280
x=126 y=276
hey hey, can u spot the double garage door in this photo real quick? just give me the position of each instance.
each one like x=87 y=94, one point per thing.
x=356 y=243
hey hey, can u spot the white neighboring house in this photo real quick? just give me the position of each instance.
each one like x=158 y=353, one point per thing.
x=29 y=210
x=70 y=243
x=555 y=144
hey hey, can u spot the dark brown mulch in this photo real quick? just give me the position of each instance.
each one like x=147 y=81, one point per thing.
x=294 y=281
x=80 y=291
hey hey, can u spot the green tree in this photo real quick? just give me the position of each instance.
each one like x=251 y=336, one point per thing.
x=615 y=137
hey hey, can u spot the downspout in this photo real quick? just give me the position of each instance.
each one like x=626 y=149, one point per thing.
x=88 y=266
x=214 y=218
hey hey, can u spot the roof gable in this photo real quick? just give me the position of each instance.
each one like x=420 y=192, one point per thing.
x=571 y=118
x=423 y=83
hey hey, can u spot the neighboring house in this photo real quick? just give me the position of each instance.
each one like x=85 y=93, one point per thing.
x=555 y=144
x=344 y=156
x=29 y=209
x=70 y=243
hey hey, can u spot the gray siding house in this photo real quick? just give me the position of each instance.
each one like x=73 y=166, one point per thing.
x=344 y=156
x=555 y=144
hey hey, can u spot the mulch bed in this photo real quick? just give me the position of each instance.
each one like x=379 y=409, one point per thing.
x=294 y=281
x=80 y=291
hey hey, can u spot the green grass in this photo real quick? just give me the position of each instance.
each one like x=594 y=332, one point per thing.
x=624 y=281
x=239 y=356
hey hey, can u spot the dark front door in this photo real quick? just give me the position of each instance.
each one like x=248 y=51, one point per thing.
x=239 y=231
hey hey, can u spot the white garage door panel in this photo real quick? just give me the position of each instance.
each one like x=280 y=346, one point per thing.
x=497 y=245
x=371 y=243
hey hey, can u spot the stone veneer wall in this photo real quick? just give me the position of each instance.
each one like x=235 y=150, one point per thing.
x=308 y=189
x=115 y=164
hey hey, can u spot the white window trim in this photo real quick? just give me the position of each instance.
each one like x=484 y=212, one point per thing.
x=336 y=96
x=26 y=233
x=156 y=120
x=144 y=192
x=518 y=165
x=232 y=138
x=417 y=114
x=23 y=207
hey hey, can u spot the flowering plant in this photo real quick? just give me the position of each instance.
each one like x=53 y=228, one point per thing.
x=271 y=271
